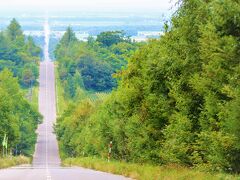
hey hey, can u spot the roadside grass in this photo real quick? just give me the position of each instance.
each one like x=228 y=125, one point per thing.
x=35 y=96
x=13 y=161
x=61 y=104
x=32 y=95
x=145 y=172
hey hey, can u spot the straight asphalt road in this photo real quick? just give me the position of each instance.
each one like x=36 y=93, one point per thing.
x=46 y=163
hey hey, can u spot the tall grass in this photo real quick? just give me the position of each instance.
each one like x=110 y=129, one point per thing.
x=35 y=96
x=61 y=103
x=13 y=161
x=31 y=94
x=145 y=172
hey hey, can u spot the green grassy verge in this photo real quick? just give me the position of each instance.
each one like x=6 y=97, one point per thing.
x=35 y=96
x=32 y=95
x=13 y=161
x=144 y=172
x=60 y=101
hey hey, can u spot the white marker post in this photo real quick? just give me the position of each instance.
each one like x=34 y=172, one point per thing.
x=4 y=144
x=110 y=151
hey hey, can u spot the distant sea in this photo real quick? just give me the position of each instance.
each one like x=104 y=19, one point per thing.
x=90 y=23
x=139 y=26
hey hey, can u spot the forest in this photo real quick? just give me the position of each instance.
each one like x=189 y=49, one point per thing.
x=86 y=67
x=173 y=100
x=19 y=59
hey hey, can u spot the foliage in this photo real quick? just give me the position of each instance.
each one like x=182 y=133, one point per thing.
x=90 y=65
x=178 y=99
x=19 y=119
x=19 y=58
x=19 y=54
x=110 y=38
x=68 y=38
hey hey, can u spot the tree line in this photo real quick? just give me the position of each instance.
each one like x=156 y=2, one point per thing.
x=177 y=101
x=19 y=57
x=90 y=65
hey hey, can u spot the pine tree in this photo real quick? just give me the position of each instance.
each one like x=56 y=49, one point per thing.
x=14 y=30
x=68 y=37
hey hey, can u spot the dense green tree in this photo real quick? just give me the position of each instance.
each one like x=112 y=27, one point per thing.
x=19 y=119
x=96 y=64
x=68 y=37
x=111 y=37
x=19 y=54
x=14 y=31
x=96 y=75
x=178 y=99
x=32 y=48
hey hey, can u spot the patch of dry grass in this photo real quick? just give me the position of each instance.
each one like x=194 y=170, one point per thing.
x=13 y=161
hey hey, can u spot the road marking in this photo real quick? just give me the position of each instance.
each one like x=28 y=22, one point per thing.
x=46 y=110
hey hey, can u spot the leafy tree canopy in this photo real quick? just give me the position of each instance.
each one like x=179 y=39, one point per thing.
x=19 y=53
x=178 y=99
x=95 y=63
x=111 y=37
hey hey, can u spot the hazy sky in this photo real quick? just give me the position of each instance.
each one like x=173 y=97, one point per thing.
x=87 y=5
